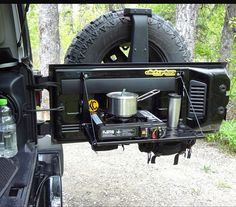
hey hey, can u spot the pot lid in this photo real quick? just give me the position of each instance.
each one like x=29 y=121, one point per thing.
x=122 y=95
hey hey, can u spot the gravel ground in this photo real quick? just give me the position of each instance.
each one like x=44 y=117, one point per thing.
x=123 y=178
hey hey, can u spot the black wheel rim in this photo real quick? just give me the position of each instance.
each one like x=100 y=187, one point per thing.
x=120 y=53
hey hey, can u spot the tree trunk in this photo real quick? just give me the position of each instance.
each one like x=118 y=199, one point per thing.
x=227 y=35
x=71 y=19
x=110 y=7
x=186 y=19
x=122 y=6
x=49 y=46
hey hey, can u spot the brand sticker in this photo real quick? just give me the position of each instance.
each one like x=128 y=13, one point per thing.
x=160 y=73
x=93 y=105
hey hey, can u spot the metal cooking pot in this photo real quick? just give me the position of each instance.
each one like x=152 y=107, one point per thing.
x=124 y=104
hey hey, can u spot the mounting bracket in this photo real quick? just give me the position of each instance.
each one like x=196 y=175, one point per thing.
x=139 y=34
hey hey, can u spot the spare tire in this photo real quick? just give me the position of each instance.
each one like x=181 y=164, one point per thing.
x=107 y=40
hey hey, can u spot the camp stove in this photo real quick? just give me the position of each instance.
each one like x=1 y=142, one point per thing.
x=143 y=125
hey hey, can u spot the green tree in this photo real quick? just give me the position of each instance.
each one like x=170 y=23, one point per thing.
x=209 y=27
x=82 y=14
x=32 y=19
x=167 y=11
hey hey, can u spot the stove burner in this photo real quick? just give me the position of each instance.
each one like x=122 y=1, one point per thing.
x=143 y=125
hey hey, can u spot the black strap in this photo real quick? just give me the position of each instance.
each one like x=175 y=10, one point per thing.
x=189 y=153
x=176 y=159
x=153 y=161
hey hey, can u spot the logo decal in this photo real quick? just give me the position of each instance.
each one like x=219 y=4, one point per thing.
x=160 y=73
x=93 y=105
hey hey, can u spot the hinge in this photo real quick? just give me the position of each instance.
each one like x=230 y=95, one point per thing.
x=43 y=82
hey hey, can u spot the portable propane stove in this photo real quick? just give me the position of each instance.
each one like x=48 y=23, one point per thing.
x=143 y=125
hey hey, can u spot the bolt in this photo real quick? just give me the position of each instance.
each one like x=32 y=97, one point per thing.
x=221 y=110
x=222 y=88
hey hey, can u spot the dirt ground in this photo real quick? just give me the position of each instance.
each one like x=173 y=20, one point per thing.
x=123 y=178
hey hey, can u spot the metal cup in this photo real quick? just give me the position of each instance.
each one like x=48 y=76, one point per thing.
x=174 y=110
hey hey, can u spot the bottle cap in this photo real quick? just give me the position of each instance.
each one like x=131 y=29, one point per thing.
x=3 y=101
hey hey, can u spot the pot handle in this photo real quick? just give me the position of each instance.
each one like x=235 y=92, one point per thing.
x=148 y=95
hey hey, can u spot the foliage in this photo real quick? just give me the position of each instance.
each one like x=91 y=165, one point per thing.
x=232 y=60
x=206 y=168
x=32 y=18
x=209 y=27
x=232 y=93
x=232 y=22
x=80 y=16
x=226 y=135
x=167 y=11
x=223 y=184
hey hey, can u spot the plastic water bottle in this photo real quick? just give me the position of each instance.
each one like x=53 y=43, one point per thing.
x=8 y=142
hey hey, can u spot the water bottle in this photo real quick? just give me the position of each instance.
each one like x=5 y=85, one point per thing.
x=8 y=141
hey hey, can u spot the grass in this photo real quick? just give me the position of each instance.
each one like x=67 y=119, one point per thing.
x=222 y=184
x=226 y=135
x=206 y=168
x=195 y=192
